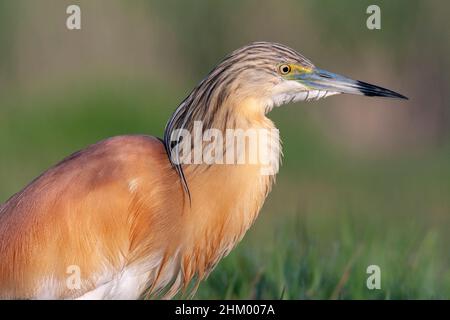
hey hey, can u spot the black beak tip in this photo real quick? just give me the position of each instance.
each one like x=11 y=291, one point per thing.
x=402 y=96
x=371 y=90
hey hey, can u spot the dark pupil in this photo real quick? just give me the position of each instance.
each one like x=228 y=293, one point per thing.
x=285 y=69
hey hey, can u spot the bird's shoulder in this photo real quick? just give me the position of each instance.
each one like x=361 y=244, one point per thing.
x=111 y=162
x=112 y=154
x=118 y=148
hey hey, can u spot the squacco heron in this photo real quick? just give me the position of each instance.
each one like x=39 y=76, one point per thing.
x=130 y=217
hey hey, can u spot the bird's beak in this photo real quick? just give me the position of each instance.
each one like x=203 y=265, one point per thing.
x=317 y=79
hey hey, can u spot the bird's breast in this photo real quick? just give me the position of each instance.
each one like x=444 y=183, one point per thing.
x=225 y=202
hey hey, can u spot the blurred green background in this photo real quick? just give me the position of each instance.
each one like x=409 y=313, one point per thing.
x=364 y=181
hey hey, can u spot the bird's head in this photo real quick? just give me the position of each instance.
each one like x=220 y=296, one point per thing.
x=266 y=74
x=274 y=75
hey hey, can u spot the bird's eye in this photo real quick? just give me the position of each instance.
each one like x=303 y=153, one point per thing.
x=284 y=69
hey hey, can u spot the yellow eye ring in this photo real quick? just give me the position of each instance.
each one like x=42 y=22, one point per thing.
x=284 y=69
